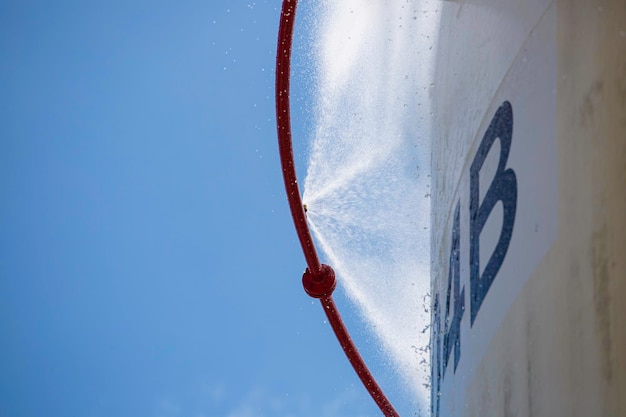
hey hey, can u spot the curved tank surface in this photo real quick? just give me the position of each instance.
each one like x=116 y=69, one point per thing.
x=528 y=238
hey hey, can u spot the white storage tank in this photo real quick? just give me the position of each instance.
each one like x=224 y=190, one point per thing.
x=529 y=209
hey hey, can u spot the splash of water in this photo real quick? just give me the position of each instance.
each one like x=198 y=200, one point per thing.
x=367 y=183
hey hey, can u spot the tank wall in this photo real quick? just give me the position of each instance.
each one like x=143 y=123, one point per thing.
x=549 y=340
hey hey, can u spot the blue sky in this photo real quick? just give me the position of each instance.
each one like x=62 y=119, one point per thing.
x=148 y=263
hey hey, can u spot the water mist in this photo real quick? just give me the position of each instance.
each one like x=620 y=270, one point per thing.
x=367 y=183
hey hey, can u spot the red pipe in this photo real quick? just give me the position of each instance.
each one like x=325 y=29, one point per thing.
x=318 y=279
x=283 y=123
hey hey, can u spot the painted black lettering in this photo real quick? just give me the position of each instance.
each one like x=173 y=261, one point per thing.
x=452 y=338
x=504 y=189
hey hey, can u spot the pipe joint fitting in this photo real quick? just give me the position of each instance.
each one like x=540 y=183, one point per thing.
x=321 y=284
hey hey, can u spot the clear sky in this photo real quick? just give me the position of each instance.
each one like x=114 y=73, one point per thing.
x=148 y=263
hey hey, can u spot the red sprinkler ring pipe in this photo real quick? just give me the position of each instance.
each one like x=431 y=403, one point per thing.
x=318 y=279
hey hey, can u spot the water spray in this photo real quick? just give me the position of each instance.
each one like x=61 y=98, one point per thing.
x=319 y=279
